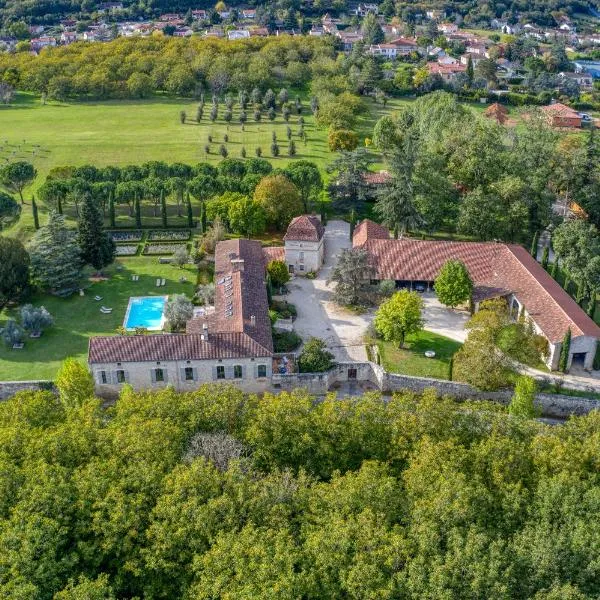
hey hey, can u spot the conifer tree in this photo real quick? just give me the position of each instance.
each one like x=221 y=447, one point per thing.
x=563 y=360
x=138 y=212
x=55 y=257
x=163 y=209
x=111 y=209
x=97 y=247
x=34 y=210
x=190 y=214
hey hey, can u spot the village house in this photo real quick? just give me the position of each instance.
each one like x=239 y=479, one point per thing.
x=233 y=344
x=109 y=7
x=68 y=37
x=238 y=34
x=362 y=10
x=40 y=43
x=448 y=27
x=199 y=15
x=445 y=71
x=498 y=270
x=475 y=59
x=560 y=115
x=584 y=80
x=348 y=39
x=249 y=13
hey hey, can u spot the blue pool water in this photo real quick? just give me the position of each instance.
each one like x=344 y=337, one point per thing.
x=145 y=312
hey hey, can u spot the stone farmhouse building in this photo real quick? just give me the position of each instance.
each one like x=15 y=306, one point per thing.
x=304 y=245
x=233 y=344
x=498 y=270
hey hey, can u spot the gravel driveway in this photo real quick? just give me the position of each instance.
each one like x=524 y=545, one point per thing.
x=343 y=331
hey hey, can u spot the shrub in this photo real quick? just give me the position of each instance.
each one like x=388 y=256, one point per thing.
x=286 y=341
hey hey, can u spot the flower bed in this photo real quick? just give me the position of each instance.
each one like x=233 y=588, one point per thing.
x=169 y=235
x=126 y=236
x=126 y=250
x=162 y=248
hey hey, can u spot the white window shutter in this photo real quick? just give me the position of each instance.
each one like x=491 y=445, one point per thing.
x=153 y=375
x=182 y=374
x=165 y=375
x=195 y=371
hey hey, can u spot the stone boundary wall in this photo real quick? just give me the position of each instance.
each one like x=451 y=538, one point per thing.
x=552 y=405
x=10 y=388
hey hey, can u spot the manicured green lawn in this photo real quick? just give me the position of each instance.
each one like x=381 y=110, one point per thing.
x=133 y=132
x=411 y=359
x=77 y=318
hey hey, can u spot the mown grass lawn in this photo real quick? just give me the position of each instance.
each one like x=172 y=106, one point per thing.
x=411 y=359
x=123 y=132
x=77 y=318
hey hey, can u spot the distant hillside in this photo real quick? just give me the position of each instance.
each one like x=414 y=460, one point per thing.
x=543 y=12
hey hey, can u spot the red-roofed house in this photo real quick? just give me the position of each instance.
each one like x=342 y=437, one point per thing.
x=497 y=270
x=560 y=115
x=233 y=344
x=445 y=71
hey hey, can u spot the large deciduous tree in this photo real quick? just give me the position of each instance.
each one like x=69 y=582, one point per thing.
x=74 y=383
x=246 y=217
x=56 y=257
x=178 y=311
x=305 y=175
x=399 y=316
x=97 y=247
x=453 y=285
x=279 y=198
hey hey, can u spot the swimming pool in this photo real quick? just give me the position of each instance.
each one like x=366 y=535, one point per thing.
x=145 y=311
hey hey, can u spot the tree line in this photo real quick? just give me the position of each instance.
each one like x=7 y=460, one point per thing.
x=214 y=494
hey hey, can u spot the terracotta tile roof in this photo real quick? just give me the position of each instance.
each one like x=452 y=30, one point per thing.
x=239 y=327
x=403 y=42
x=179 y=346
x=560 y=110
x=272 y=253
x=305 y=228
x=380 y=178
x=441 y=69
x=494 y=268
x=369 y=230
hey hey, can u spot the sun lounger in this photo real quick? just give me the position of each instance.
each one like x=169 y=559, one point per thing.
x=105 y=310
x=158 y=283
x=97 y=298
x=163 y=282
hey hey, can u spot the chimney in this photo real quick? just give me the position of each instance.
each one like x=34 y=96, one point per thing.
x=204 y=336
x=253 y=321
x=237 y=264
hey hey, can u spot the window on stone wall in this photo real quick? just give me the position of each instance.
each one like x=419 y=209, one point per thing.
x=237 y=371
x=159 y=375
x=189 y=374
x=221 y=372
x=120 y=376
x=103 y=377
x=262 y=370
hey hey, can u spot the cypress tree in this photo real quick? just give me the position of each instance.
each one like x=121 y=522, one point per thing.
x=190 y=214
x=97 y=248
x=534 y=244
x=596 y=365
x=34 y=210
x=163 y=209
x=111 y=209
x=138 y=212
x=269 y=289
x=545 y=257
x=203 y=216
x=563 y=360
x=323 y=214
x=352 y=223
x=554 y=271
x=59 y=205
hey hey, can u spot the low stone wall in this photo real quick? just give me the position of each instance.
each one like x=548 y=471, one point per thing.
x=10 y=388
x=552 y=405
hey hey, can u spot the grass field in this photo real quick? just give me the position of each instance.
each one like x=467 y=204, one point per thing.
x=411 y=359
x=79 y=317
x=133 y=132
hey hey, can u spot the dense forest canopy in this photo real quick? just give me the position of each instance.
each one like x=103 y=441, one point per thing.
x=213 y=494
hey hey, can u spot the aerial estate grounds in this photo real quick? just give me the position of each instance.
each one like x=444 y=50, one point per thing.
x=78 y=317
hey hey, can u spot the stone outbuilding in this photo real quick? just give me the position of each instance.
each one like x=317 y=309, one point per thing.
x=304 y=245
